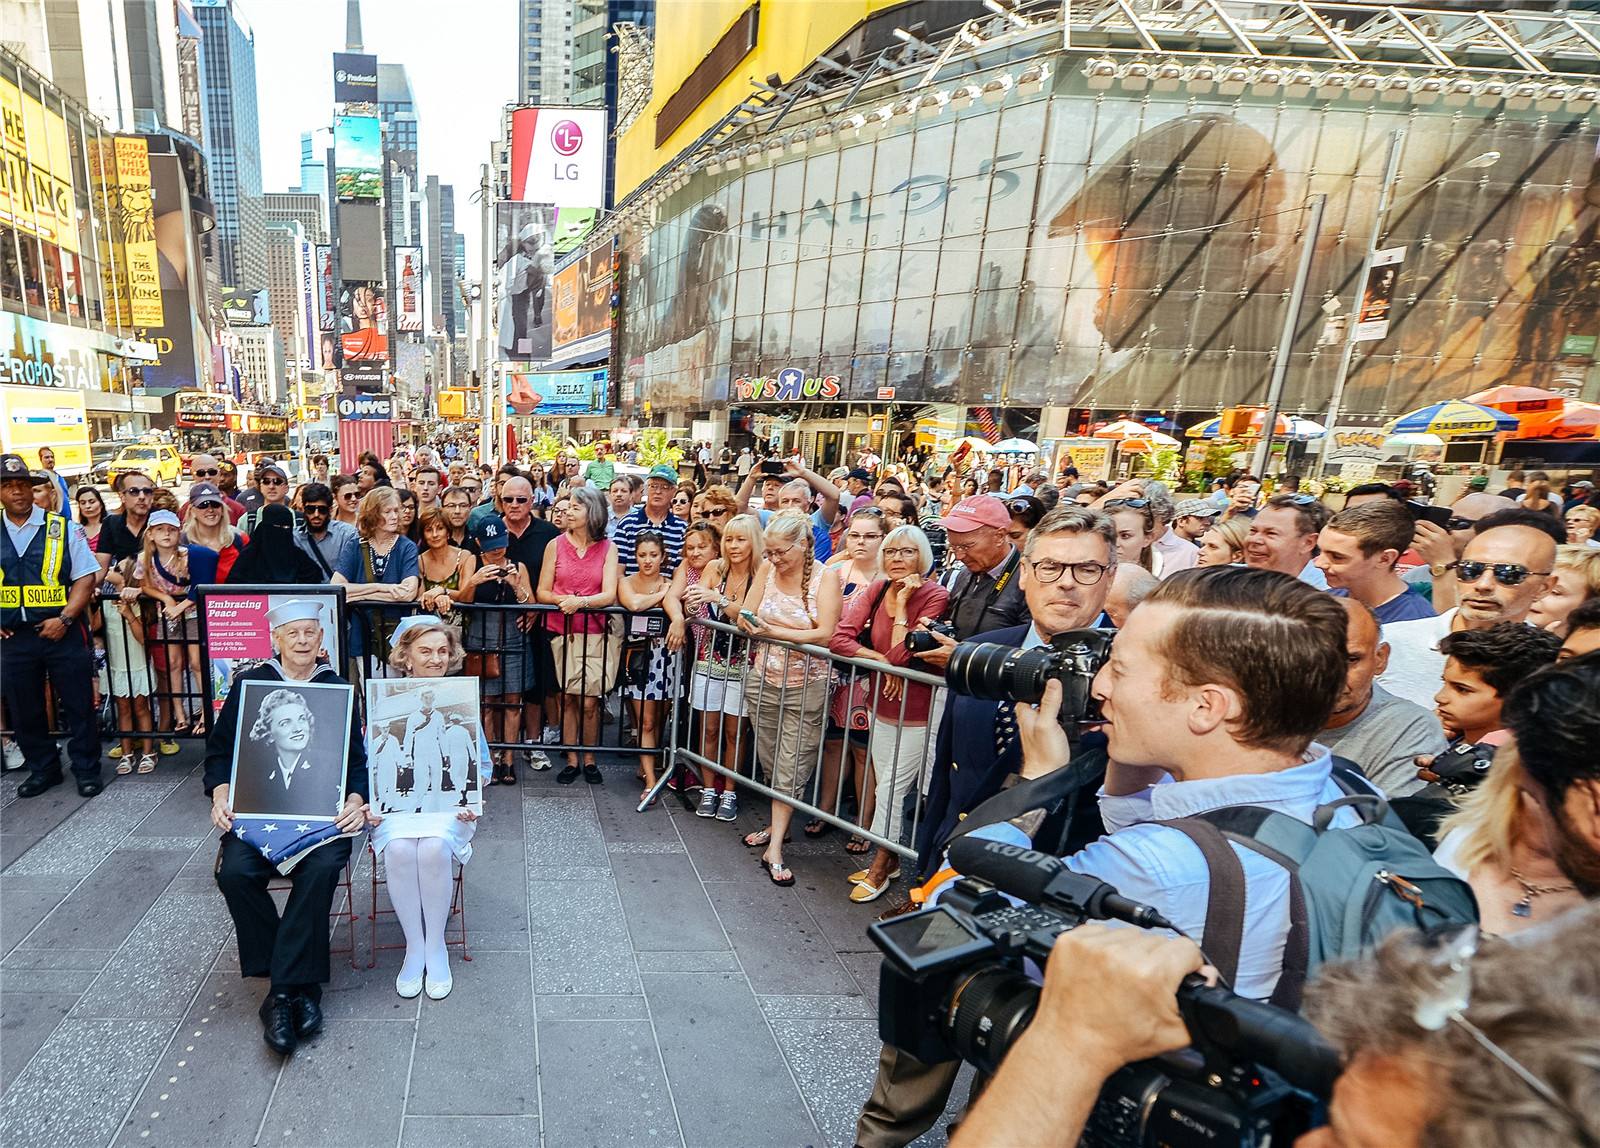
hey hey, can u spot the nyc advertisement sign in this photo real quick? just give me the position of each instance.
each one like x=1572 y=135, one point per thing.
x=790 y=385
x=558 y=156
x=365 y=407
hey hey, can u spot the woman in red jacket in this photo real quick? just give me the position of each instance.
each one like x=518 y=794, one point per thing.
x=208 y=526
x=874 y=628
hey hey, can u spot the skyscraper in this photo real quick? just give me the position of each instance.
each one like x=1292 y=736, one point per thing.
x=233 y=141
x=284 y=289
x=314 y=147
x=544 y=60
x=306 y=208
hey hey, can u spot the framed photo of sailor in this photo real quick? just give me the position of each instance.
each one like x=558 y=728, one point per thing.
x=425 y=747
x=289 y=751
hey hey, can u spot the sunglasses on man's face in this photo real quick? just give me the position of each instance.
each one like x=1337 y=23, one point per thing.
x=516 y=499
x=213 y=472
x=270 y=481
x=138 y=491
x=1505 y=573
x=315 y=508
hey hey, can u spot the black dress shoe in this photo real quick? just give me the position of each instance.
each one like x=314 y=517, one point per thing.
x=307 y=1016
x=90 y=787
x=277 y=1023
x=36 y=785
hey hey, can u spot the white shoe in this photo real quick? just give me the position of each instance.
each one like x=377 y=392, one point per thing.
x=538 y=759
x=438 y=990
x=408 y=989
x=550 y=736
x=13 y=755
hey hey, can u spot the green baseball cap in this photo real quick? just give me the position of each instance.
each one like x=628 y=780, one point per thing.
x=664 y=472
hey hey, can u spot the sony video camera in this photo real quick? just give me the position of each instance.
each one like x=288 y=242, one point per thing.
x=1005 y=673
x=952 y=984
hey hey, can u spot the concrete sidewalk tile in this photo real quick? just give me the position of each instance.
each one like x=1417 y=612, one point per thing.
x=74 y=1091
x=835 y=1062
x=73 y=981
x=843 y=922
x=714 y=961
x=562 y=830
x=24 y=902
x=80 y=843
x=469 y=1132
x=352 y=1078
x=362 y=993
x=27 y=1019
x=864 y=969
x=159 y=967
x=581 y=873
x=184 y=810
x=620 y=819
x=579 y=938
x=213 y=1082
x=104 y=909
x=557 y=1007
x=816 y=1008
x=36 y=816
x=666 y=905
x=779 y=946
x=495 y=889
x=713 y=1019
x=90 y=959
x=501 y=1080
x=603 y=1086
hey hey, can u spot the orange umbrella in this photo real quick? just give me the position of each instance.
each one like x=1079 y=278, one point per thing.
x=1135 y=436
x=1518 y=400
x=1573 y=419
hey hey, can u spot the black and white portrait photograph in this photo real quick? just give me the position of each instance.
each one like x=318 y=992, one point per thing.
x=524 y=264
x=289 y=752
x=425 y=745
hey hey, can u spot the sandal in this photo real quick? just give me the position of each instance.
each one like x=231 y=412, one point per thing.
x=774 y=868
x=857 y=845
x=147 y=763
x=124 y=767
x=817 y=827
x=760 y=838
x=859 y=877
x=647 y=804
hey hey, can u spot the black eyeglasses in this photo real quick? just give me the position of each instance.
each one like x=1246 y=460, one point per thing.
x=213 y=506
x=1048 y=570
x=270 y=481
x=1130 y=503
x=1505 y=573
x=212 y=473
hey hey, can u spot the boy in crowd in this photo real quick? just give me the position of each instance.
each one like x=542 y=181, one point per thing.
x=1359 y=548
x=1481 y=667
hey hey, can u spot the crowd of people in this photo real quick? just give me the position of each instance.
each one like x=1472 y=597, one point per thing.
x=1268 y=650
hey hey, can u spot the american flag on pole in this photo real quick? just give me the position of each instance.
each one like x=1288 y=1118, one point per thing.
x=984 y=417
x=357 y=435
x=281 y=840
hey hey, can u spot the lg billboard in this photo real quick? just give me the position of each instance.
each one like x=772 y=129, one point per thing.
x=558 y=156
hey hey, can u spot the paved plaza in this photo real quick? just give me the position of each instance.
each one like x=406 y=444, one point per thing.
x=634 y=981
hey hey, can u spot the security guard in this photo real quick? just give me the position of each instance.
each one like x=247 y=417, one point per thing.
x=47 y=579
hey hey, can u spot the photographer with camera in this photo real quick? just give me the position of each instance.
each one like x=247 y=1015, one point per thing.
x=987 y=594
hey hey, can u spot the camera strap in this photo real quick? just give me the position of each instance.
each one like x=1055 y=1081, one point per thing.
x=1045 y=793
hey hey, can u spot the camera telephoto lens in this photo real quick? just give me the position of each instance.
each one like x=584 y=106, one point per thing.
x=1000 y=673
x=987 y=1012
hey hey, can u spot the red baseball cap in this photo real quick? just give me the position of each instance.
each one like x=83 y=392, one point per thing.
x=975 y=511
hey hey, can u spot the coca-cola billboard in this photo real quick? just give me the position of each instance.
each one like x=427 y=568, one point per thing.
x=408 y=288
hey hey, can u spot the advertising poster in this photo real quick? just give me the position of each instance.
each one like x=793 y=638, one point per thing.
x=133 y=221
x=35 y=417
x=408 y=288
x=1092 y=457
x=1377 y=297
x=582 y=306
x=246 y=307
x=327 y=295
x=308 y=303
x=358 y=157
x=355 y=78
x=237 y=637
x=37 y=193
x=523 y=264
x=363 y=378
x=558 y=156
x=363 y=322
x=182 y=341
x=425 y=747
x=365 y=407
x=562 y=393
x=573 y=225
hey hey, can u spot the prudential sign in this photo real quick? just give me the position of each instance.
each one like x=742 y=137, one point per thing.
x=558 y=156
x=355 y=78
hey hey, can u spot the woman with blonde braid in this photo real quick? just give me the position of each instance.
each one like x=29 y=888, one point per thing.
x=795 y=600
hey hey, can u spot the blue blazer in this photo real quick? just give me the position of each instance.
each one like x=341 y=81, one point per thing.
x=966 y=771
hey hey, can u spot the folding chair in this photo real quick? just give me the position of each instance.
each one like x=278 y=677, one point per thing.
x=458 y=909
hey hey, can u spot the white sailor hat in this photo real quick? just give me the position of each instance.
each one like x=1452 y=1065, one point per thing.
x=299 y=610
x=415 y=620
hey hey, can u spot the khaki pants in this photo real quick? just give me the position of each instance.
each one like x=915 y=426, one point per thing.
x=788 y=723
x=907 y=1099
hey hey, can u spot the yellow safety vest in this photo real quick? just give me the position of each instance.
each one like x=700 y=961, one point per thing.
x=50 y=592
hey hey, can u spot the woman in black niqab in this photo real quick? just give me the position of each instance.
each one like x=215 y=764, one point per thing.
x=272 y=557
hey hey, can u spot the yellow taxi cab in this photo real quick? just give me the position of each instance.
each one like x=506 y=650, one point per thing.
x=159 y=460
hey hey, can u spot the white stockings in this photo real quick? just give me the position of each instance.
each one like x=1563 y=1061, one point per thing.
x=419 y=880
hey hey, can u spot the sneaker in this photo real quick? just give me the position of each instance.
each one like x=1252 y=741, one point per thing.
x=167 y=747
x=13 y=756
x=538 y=760
x=708 y=804
x=550 y=736
x=728 y=806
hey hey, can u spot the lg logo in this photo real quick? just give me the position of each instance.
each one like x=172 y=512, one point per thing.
x=566 y=137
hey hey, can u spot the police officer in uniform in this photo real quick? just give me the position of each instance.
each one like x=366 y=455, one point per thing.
x=47 y=579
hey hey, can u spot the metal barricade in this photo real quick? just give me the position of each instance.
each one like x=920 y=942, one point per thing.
x=815 y=720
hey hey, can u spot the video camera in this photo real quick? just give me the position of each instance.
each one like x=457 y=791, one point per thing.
x=1005 y=673
x=952 y=985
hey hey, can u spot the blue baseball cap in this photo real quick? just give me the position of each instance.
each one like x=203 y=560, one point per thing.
x=490 y=533
x=664 y=472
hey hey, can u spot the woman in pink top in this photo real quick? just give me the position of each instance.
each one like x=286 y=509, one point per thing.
x=794 y=601
x=580 y=574
x=874 y=628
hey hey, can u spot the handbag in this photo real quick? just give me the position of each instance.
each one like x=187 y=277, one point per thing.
x=851 y=707
x=482 y=665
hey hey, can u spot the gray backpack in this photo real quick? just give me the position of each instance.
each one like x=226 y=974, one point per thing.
x=1348 y=888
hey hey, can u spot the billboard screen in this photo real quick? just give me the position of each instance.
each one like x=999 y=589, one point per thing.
x=561 y=393
x=582 y=306
x=355 y=78
x=358 y=157
x=36 y=194
x=363 y=322
x=361 y=245
x=558 y=156
x=245 y=307
x=408 y=288
x=523 y=263
x=308 y=302
x=183 y=344
x=573 y=225
x=133 y=222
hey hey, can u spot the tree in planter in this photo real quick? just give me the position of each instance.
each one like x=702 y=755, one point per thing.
x=653 y=448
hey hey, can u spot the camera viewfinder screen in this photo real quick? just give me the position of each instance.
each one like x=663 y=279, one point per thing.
x=923 y=934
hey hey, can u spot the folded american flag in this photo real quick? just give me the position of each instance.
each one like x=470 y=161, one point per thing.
x=281 y=840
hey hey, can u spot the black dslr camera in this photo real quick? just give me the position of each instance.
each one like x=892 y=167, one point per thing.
x=922 y=640
x=952 y=985
x=1460 y=768
x=1005 y=673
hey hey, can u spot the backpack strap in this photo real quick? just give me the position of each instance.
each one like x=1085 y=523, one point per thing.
x=1224 y=927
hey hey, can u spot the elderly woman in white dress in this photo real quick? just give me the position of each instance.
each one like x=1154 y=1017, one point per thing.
x=417 y=848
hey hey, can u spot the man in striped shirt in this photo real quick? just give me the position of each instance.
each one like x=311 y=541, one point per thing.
x=652 y=514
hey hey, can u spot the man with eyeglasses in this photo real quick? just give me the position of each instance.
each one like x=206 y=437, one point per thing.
x=1283 y=537
x=273 y=482
x=122 y=535
x=457 y=504
x=332 y=544
x=987 y=594
x=1438 y=546
x=1499 y=576
x=654 y=515
x=491 y=504
x=206 y=468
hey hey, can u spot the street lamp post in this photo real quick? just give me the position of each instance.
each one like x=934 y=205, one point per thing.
x=1291 y=320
